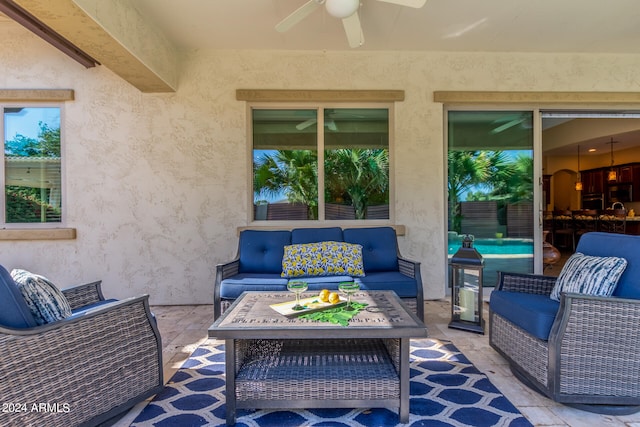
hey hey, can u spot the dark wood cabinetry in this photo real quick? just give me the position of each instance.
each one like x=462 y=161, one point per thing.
x=625 y=174
x=593 y=181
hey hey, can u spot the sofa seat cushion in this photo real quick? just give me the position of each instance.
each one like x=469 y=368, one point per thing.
x=328 y=258
x=14 y=312
x=533 y=313
x=379 y=247
x=402 y=285
x=317 y=234
x=46 y=302
x=589 y=275
x=261 y=251
x=324 y=282
x=232 y=287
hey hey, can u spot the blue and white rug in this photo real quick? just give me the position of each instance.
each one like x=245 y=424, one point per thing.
x=446 y=390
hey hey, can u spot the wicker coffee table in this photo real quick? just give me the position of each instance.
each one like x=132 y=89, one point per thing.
x=273 y=361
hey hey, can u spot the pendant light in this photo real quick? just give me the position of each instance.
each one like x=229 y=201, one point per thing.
x=579 y=181
x=613 y=174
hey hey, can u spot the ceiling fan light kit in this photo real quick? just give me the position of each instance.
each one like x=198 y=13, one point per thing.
x=342 y=8
x=347 y=10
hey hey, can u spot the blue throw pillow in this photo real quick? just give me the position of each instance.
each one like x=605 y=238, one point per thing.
x=590 y=275
x=46 y=302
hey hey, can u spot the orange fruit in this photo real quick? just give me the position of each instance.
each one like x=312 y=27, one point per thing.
x=334 y=298
x=324 y=295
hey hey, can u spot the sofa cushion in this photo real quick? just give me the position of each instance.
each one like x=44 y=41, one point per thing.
x=261 y=251
x=313 y=235
x=395 y=281
x=46 y=302
x=325 y=282
x=232 y=287
x=379 y=247
x=589 y=275
x=322 y=259
x=533 y=313
x=620 y=245
x=14 y=312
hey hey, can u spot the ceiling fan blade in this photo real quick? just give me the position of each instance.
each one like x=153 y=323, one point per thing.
x=298 y=15
x=409 y=3
x=354 y=30
x=306 y=124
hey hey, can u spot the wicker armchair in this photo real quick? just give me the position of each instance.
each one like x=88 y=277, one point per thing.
x=83 y=370
x=590 y=357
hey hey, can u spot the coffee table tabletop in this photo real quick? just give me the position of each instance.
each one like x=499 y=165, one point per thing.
x=251 y=316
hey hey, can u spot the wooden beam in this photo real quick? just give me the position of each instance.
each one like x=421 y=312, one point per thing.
x=38 y=234
x=36 y=95
x=276 y=95
x=452 y=97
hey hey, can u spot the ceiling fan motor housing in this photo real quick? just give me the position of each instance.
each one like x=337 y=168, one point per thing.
x=342 y=8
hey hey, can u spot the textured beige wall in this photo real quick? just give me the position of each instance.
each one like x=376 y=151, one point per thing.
x=157 y=184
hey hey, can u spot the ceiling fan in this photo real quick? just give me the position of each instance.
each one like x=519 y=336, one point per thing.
x=347 y=10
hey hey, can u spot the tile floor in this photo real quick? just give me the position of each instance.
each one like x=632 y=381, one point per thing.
x=184 y=328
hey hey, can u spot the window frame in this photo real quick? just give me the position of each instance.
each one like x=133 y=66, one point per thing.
x=319 y=107
x=15 y=226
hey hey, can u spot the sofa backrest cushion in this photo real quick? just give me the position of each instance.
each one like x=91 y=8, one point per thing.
x=14 y=312
x=379 y=247
x=619 y=245
x=261 y=251
x=314 y=235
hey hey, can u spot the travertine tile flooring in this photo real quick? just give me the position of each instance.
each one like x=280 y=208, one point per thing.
x=184 y=328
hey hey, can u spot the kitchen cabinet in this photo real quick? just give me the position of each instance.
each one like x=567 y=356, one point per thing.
x=625 y=174
x=593 y=181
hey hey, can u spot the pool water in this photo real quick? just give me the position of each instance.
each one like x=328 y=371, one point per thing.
x=507 y=254
x=490 y=247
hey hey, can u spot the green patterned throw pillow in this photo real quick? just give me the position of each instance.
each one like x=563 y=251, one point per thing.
x=46 y=302
x=322 y=259
x=589 y=275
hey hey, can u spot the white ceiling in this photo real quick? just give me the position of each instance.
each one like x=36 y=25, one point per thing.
x=611 y=26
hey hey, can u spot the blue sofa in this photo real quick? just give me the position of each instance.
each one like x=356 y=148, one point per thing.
x=583 y=351
x=258 y=264
x=106 y=346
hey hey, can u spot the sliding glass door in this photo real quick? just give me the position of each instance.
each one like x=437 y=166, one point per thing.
x=490 y=184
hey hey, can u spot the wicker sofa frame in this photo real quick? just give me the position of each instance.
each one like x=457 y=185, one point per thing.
x=591 y=358
x=84 y=370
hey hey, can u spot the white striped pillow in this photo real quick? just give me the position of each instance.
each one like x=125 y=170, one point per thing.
x=590 y=275
x=46 y=302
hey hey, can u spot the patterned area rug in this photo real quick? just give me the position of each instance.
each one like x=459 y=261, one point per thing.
x=446 y=390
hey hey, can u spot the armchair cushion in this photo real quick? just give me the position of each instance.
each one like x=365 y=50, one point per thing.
x=46 y=302
x=322 y=259
x=534 y=313
x=589 y=275
x=14 y=312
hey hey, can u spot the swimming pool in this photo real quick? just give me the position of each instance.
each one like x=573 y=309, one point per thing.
x=492 y=247
x=507 y=254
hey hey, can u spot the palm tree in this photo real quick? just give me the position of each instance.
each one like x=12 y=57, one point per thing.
x=360 y=173
x=470 y=169
x=293 y=172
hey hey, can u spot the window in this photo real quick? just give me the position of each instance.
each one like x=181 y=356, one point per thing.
x=32 y=166
x=350 y=144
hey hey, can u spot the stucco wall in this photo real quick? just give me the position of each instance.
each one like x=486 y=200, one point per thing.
x=157 y=184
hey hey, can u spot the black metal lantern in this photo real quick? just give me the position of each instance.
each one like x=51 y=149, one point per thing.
x=466 y=288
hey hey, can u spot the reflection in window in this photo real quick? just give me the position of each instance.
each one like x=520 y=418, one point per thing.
x=32 y=165
x=286 y=177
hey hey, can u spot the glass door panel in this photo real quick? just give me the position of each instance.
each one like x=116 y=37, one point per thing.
x=490 y=188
